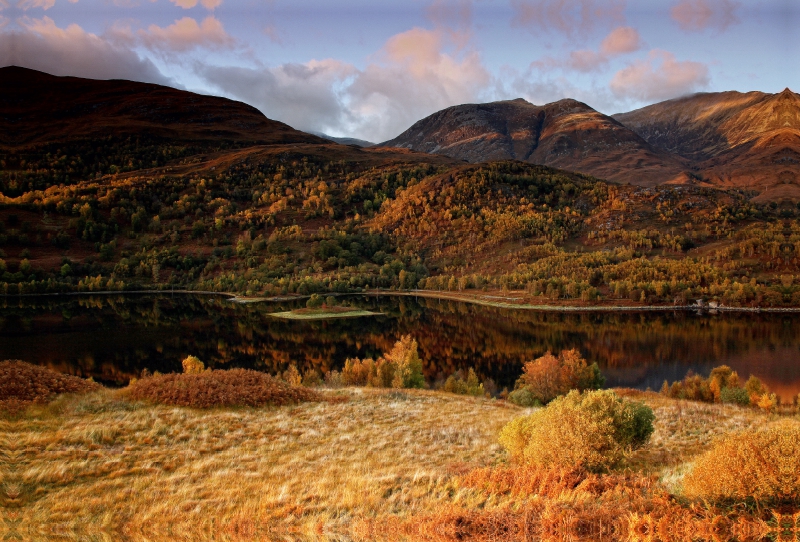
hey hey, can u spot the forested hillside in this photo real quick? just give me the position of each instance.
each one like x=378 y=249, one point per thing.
x=126 y=210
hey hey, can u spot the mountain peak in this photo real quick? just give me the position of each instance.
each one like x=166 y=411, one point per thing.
x=567 y=134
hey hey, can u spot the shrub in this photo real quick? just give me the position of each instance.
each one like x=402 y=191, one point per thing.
x=192 y=365
x=407 y=364
x=755 y=388
x=753 y=464
x=292 y=376
x=311 y=378
x=356 y=372
x=722 y=385
x=314 y=302
x=234 y=387
x=456 y=383
x=400 y=368
x=737 y=396
x=591 y=430
x=549 y=376
x=524 y=398
x=334 y=379
x=22 y=383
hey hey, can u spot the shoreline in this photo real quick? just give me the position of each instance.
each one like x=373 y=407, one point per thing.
x=483 y=300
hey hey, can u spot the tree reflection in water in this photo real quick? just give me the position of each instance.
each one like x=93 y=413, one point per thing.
x=113 y=338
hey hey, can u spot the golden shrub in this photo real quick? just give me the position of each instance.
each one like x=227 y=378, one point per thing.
x=591 y=431
x=193 y=365
x=762 y=465
x=356 y=372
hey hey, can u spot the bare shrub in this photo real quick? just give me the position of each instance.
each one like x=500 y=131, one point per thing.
x=234 y=387
x=22 y=383
x=591 y=430
x=753 y=464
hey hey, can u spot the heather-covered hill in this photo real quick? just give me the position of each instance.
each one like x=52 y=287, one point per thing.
x=37 y=109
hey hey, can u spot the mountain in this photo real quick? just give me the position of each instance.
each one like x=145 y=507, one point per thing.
x=345 y=140
x=566 y=134
x=114 y=185
x=37 y=108
x=731 y=139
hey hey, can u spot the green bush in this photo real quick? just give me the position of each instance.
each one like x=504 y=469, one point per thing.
x=737 y=396
x=591 y=430
x=456 y=383
x=524 y=398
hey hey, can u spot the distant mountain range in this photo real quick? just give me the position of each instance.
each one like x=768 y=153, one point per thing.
x=727 y=139
x=344 y=140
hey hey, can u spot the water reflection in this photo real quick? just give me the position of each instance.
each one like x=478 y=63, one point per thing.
x=112 y=338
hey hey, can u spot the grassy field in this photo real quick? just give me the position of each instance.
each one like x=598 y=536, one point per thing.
x=101 y=467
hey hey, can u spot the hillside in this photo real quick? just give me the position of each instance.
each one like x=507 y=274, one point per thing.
x=731 y=139
x=566 y=134
x=38 y=108
x=82 y=210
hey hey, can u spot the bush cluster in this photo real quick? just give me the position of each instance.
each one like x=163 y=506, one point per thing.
x=721 y=386
x=761 y=465
x=208 y=389
x=591 y=430
x=471 y=385
x=400 y=368
x=549 y=376
x=23 y=383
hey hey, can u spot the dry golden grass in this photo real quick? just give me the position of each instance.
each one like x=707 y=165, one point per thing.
x=383 y=465
x=100 y=460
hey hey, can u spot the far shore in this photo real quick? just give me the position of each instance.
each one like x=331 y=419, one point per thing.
x=489 y=299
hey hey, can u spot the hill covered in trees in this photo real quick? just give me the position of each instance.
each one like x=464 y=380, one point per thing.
x=273 y=211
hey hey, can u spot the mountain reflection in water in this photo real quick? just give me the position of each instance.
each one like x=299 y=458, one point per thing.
x=113 y=338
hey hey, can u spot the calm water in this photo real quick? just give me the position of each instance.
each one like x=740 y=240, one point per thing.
x=112 y=338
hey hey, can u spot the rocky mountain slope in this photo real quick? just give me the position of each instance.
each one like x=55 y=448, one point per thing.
x=731 y=139
x=566 y=134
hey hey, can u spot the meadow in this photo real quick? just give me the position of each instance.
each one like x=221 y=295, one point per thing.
x=354 y=463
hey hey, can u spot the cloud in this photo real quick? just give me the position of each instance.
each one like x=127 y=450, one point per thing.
x=576 y=19
x=411 y=77
x=699 y=15
x=659 y=77
x=25 y=5
x=43 y=46
x=621 y=40
x=450 y=13
x=183 y=35
x=210 y=5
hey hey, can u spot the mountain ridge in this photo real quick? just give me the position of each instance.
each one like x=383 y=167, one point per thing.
x=566 y=134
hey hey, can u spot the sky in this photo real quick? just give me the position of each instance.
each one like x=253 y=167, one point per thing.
x=370 y=69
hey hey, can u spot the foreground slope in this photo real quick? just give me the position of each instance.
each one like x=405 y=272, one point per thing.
x=566 y=134
x=749 y=140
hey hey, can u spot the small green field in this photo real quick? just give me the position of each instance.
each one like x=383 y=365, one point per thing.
x=323 y=313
